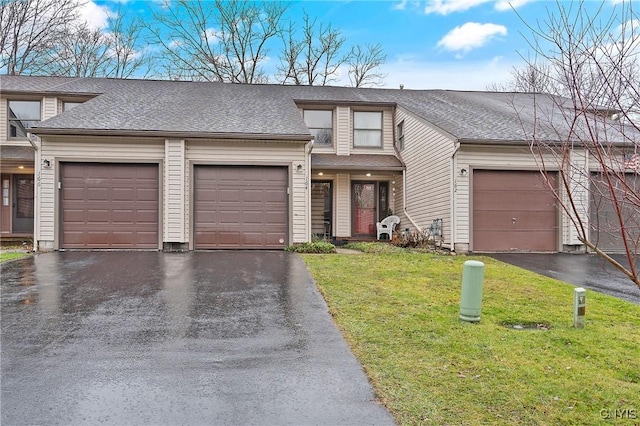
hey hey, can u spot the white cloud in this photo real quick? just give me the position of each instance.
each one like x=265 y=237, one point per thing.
x=445 y=7
x=211 y=35
x=401 y=6
x=470 y=36
x=506 y=5
x=476 y=75
x=94 y=15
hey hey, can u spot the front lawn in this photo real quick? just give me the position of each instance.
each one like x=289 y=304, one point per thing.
x=399 y=313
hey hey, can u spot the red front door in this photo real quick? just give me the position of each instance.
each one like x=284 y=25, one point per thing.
x=364 y=208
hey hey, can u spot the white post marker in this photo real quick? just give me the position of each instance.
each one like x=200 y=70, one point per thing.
x=579 y=306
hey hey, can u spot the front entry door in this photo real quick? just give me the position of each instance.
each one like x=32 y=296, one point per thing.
x=364 y=208
x=23 y=204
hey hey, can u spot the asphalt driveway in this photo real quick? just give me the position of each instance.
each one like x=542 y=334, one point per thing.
x=582 y=270
x=174 y=338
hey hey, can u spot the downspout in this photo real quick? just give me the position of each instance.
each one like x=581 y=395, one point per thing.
x=33 y=140
x=308 y=149
x=454 y=188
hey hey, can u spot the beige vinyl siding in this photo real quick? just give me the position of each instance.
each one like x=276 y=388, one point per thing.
x=427 y=156
x=343 y=136
x=579 y=176
x=49 y=108
x=4 y=120
x=485 y=157
x=343 y=205
x=89 y=149
x=236 y=152
x=174 y=192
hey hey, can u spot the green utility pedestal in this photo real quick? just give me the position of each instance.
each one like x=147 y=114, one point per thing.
x=471 y=299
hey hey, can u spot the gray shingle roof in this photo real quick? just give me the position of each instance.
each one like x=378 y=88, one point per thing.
x=18 y=153
x=355 y=162
x=217 y=108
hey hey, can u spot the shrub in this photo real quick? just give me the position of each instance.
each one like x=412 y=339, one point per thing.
x=312 y=247
x=415 y=239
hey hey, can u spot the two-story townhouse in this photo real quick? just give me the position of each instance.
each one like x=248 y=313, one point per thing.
x=186 y=165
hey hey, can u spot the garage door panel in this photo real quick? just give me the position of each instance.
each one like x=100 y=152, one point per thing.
x=513 y=211
x=493 y=200
x=229 y=217
x=249 y=204
x=95 y=217
x=229 y=195
x=504 y=220
x=97 y=194
x=109 y=205
x=517 y=240
x=253 y=196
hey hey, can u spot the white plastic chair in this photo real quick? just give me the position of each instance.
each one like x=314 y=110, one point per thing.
x=387 y=226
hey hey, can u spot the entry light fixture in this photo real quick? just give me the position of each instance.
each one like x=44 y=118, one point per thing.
x=463 y=172
x=21 y=167
x=46 y=163
x=320 y=174
x=299 y=168
x=368 y=174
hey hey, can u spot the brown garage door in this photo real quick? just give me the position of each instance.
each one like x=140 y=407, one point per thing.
x=606 y=231
x=109 y=205
x=513 y=211
x=240 y=207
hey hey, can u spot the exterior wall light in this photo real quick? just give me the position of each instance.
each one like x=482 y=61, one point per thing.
x=463 y=172
x=46 y=163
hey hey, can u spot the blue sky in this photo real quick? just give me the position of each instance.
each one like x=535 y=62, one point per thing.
x=433 y=44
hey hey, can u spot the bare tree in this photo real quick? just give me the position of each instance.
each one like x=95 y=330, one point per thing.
x=126 y=52
x=589 y=135
x=81 y=51
x=217 y=41
x=364 y=63
x=317 y=57
x=30 y=28
x=530 y=78
x=313 y=59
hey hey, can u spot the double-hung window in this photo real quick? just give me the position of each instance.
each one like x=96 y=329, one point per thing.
x=400 y=135
x=23 y=115
x=320 y=124
x=367 y=129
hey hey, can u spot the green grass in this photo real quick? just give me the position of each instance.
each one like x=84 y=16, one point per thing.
x=399 y=313
x=12 y=255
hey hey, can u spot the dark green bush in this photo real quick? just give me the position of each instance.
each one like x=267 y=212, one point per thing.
x=313 y=247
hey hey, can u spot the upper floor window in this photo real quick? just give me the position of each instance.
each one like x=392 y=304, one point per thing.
x=400 y=135
x=320 y=124
x=367 y=129
x=23 y=115
x=66 y=106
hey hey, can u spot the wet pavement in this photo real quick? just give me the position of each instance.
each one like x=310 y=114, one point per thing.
x=145 y=338
x=582 y=270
